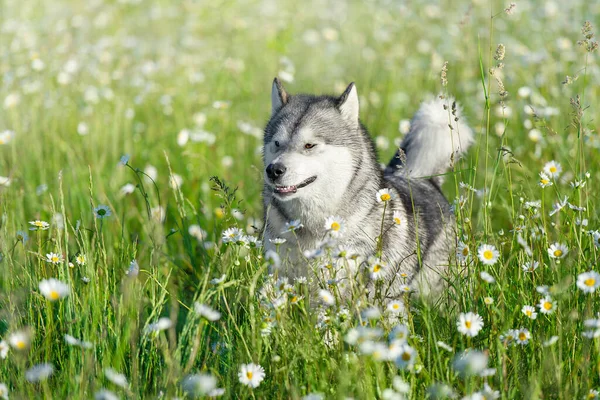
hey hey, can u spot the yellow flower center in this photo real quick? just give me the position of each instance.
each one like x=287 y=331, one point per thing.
x=54 y=259
x=397 y=221
x=547 y=305
x=522 y=336
x=488 y=254
x=553 y=169
x=81 y=259
x=465 y=251
x=544 y=181
x=53 y=295
x=406 y=356
x=590 y=282
x=335 y=226
x=528 y=313
x=20 y=344
x=219 y=213
x=468 y=324
x=249 y=374
x=396 y=306
x=39 y=224
x=558 y=253
x=385 y=197
x=294 y=299
x=376 y=268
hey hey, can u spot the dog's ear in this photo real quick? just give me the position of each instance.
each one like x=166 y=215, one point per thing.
x=348 y=103
x=279 y=96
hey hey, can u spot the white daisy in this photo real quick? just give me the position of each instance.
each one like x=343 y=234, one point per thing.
x=199 y=385
x=292 y=226
x=486 y=276
x=326 y=297
x=38 y=225
x=376 y=269
x=550 y=341
x=395 y=306
x=384 y=195
x=488 y=300
x=558 y=250
x=207 y=312
x=596 y=238
x=53 y=289
x=462 y=252
x=547 y=305
x=406 y=356
x=251 y=375
x=397 y=217
x=469 y=324
x=335 y=226
x=530 y=266
x=20 y=340
x=102 y=212
x=523 y=336
x=488 y=254
x=4 y=348
x=232 y=235
x=80 y=259
x=544 y=180
x=588 y=282
x=3 y=391
x=529 y=311
x=552 y=169
x=54 y=258
x=39 y=372
x=76 y=342
x=116 y=378
x=105 y=394
x=162 y=324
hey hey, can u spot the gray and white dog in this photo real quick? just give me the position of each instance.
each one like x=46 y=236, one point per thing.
x=320 y=161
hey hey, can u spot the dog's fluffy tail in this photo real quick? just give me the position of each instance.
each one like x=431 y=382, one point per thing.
x=438 y=136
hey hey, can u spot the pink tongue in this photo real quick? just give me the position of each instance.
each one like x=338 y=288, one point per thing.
x=286 y=189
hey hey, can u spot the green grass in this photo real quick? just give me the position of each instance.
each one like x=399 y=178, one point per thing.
x=135 y=75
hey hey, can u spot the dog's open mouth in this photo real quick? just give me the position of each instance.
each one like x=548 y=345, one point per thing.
x=279 y=189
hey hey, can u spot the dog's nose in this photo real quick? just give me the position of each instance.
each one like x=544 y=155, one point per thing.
x=275 y=171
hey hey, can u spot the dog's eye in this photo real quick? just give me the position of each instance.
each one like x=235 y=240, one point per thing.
x=309 y=145
x=276 y=143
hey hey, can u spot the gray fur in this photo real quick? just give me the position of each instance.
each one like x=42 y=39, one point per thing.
x=348 y=176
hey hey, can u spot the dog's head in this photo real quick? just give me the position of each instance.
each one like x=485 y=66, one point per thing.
x=310 y=144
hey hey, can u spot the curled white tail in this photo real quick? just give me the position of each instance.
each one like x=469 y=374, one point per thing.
x=431 y=145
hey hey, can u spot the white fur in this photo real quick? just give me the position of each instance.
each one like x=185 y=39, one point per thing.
x=276 y=102
x=431 y=146
x=350 y=107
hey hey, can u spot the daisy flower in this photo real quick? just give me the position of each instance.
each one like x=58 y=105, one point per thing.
x=486 y=276
x=251 y=375
x=39 y=372
x=199 y=385
x=550 y=341
x=292 y=226
x=530 y=266
x=232 y=235
x=20 y=340
x=376 y=269
x=397 y=217
x=558 y=250
x=552 y=169
x=335 y=226
x=102 y=212
x=3 y=391
x=53 y=289
x=326 y=297
x=469 y=324
x=488 y=254
x=162 y=324
x=73 y=341
x=54 y=258
x=384 y=195
x=547 y=305
x=80 y=259
x=529 y=311
x=277 y=241
x=116 y=378
x=207 y=312
x=22 y=236
x=596 y=237
x=462 y=251
x=588 y=282
x=523 y=336
x=488 y=300
x=38 y=225
x=406 y=356
x=4 y=348
x=395 y=306
x=544 y=180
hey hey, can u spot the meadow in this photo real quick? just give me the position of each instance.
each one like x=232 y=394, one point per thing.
x=130 y=143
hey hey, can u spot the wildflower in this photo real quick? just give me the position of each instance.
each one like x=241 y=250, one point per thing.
x=509 y=336
x=395 y=306
x=199 y=385
x=462 y=251
x=22 y=236
x=292 y=226
x=588 y=282
x=326 y=297
x=20 y=340
x=523 y=336
x=596 y=238
x=124 y=159
x=488 y=300
x=53 y=289
x=556 y=207
x=207 y=312
x=488 y=254
x=160 y=325
x=399 y=333
x=397 y=217
x=406 y=356
x=593 y=394
x=116 y=378
x=76 y=342
x=558 y=250
x=102 y=212
x=552 y=169
x=219 y=280
x=105 y=394
x=6 y=136
x=544 y=180
x=54 y=258
x=277 y=241
x=273 y=258
x=384 y=195
x=469 y=324
x=376 y=269
x=471 y=362
x=251 y=375
x=38 y=225
x=529 y=311
x=530 y=266
x=39 y=372
x=80 y=259
x=4 y=348
x=488 y=393
x=547 y=305
x=444 y=346
x=486 y=276
x=3 y=391
x=371 y=313
x=335 y=226
x=128 y=188
x=232 y=235
x=550 y=341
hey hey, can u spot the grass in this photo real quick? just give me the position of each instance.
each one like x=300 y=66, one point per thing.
x=84 y=83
